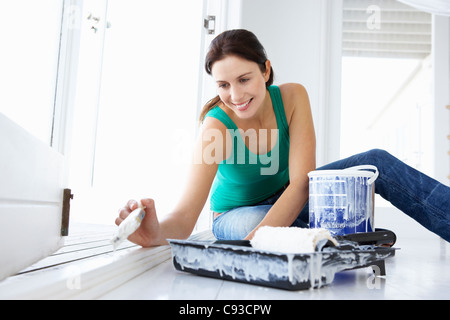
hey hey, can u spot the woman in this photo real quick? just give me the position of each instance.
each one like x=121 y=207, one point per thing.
x=254 y=152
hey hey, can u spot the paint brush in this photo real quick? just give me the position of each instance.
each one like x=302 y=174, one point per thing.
x=128 y=226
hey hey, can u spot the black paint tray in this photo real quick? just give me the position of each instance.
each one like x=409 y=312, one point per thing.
x=238 y=261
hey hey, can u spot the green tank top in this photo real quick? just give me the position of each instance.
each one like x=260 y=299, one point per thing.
x=246 y=178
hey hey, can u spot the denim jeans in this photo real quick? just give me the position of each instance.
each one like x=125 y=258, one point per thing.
x=422 y=198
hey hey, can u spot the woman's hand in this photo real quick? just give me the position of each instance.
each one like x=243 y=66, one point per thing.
x=149 y=233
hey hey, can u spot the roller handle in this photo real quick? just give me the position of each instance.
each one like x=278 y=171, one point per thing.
x=378 y=237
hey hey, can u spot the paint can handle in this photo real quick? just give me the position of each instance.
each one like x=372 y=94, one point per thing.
x=366 y=167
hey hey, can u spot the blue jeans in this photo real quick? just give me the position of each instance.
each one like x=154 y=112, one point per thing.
x=422 y=198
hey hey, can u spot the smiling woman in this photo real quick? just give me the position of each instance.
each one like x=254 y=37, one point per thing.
x=243 y=198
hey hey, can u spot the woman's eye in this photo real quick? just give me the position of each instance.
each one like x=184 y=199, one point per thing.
x=244 y=80
x=223 y=85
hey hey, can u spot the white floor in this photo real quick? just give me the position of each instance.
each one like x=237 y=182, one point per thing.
x=419 y=270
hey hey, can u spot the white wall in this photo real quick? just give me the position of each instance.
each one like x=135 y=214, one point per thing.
x=303 y=40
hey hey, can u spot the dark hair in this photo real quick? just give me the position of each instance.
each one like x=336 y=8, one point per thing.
x=241 y=43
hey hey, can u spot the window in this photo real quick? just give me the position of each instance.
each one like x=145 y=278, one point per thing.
x=140 y=145
x=386 y=81
x=29 y=61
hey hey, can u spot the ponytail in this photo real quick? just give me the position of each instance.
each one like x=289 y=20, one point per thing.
x=208 y=106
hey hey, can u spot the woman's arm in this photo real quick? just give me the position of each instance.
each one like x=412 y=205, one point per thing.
x=181 y=221
x=302 y=158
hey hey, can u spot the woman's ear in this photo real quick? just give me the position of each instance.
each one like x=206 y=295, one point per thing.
x=268 y=70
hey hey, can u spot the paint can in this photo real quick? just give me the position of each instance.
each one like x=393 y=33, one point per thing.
x=342 y=201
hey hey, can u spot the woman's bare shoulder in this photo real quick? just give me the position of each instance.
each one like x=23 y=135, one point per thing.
x=291 y=91
x=294 y=97
x=213 y=123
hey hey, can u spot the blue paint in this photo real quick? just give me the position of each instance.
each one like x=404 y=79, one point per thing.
x=342 y=201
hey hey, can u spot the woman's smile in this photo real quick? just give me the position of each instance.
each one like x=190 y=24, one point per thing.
x=244 y=106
